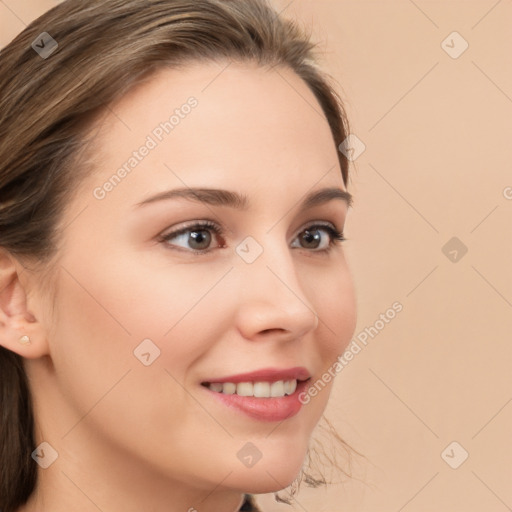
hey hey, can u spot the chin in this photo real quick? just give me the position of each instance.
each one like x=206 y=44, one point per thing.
x=267 y=476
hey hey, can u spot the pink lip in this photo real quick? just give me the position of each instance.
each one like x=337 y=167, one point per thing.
x=266 y=375
x=264 y=409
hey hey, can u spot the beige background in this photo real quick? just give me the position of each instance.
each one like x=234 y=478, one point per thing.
x=437 y=165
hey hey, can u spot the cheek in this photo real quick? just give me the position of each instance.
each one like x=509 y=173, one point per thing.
x=89 y=347
x=101 y=319
x=335 y=303
x=110 y=307
x=174 y=306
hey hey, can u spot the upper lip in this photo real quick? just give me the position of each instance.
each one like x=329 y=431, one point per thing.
x=266 y=375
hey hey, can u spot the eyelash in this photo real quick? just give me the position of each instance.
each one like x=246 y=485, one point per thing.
x=336 y=236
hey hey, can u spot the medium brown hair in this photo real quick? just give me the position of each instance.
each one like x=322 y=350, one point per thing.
x=47 y=103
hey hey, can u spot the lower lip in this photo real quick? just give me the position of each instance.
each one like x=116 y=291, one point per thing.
x=264 y=409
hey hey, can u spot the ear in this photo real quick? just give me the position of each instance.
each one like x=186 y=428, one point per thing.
x=16 y=320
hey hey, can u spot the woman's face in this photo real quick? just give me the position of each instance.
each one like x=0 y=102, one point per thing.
x=156 y=320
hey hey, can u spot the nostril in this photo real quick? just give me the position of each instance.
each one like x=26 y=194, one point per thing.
x=265 y=331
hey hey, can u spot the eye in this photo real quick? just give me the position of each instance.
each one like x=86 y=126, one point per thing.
x=197 y=237
x=319 y=237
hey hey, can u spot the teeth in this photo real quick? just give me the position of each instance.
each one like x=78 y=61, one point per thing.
x=245 y=389
x=262 y=389
x=256 y=389
x=217 y=386
x=290 y=386
x=277 y=388
x=228 y=388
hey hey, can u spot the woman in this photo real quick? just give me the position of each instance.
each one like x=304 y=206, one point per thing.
x=172 y=203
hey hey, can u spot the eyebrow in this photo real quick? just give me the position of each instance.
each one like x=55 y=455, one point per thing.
x=220 y=197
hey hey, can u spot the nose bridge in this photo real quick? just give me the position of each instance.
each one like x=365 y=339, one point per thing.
x=272 y=297
x=272 y=271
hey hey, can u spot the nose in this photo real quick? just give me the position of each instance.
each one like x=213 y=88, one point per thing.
x=272 y=302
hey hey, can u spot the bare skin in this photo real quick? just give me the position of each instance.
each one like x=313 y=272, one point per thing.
x=132 y=437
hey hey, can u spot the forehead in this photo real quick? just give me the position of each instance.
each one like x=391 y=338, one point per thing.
x=218 y=123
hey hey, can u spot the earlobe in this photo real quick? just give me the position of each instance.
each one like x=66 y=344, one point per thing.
x=25 y=340
x=20 y=331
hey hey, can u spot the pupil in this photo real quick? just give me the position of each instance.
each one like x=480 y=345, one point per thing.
x=200 y=239
x=312 y=240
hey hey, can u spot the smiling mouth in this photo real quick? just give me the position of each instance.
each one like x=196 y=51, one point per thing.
x=255 y=389
x=267 y=394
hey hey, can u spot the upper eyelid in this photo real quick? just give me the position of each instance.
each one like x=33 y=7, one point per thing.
x=319 y=211
x=204 y=224
x=209 y=224
x=320 y=223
